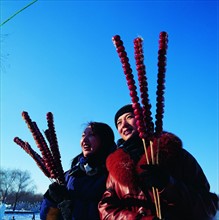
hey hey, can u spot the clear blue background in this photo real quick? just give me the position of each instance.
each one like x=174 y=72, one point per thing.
x=58 y=56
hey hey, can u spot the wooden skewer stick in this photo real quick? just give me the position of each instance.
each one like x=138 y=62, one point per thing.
x=157 y=205
x=155 y=190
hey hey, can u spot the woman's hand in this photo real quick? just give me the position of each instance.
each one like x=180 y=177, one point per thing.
x=57 y=192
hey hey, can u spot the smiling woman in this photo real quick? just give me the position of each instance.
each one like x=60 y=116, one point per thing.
x=84 y=181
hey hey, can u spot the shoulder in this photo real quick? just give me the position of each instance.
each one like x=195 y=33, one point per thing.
x=119 y=161
x=168 y=147
x=168 y=139
x=117 y=157
x=169 y=143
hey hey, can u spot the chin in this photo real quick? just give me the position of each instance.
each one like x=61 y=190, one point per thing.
x=125 y=138
x=88 y=154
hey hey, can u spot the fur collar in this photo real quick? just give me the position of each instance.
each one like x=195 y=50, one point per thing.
x=125 y=171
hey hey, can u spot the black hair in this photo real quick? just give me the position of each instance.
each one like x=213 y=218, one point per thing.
x=107 y=138
x=123 y=110
x=108 y=145
x=105 y=133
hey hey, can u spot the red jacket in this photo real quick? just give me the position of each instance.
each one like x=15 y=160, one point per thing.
x=186 y=198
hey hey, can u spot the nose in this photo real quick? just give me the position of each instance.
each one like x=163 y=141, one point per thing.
x=123 y=123
x=84 y=139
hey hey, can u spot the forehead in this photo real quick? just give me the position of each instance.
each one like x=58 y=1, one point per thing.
x=125 y=115
x=88 y=129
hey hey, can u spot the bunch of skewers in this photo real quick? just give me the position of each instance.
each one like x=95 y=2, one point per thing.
x=147 y=130
x=50 y=160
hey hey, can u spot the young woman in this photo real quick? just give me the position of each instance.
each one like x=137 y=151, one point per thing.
x=85 y=181
x=183 y=188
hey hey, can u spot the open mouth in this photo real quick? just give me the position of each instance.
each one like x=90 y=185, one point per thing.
x=87 y=147
x=127 y=132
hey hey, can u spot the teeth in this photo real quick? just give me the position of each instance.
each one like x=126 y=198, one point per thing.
x=128 y=132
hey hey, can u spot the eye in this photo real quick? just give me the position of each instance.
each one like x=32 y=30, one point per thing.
x=118 y=123
x=130 y=116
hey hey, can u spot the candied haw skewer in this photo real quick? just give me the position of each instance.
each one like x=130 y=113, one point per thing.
x=143 y=85
x=41 y=144
x=163 y=40
x=131 y=85
x=52 y=138
x=148 y=120
x=37 y=158
x=46 y=153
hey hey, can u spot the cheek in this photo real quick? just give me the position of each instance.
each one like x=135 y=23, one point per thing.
x=119 y=130
x=95 y=145
x=133 y=123
x=81 y=142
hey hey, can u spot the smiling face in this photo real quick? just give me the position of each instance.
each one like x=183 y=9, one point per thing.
x=90 y=142
x=126 y=125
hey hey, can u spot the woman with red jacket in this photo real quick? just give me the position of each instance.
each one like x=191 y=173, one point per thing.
x=181 y=183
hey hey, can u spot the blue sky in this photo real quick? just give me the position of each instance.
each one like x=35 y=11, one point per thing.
x=58 y=56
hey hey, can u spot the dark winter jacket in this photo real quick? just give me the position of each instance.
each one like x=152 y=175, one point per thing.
x=186 y=197
x=84 y=191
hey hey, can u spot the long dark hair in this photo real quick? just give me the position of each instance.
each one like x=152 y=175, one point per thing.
x=107 y=138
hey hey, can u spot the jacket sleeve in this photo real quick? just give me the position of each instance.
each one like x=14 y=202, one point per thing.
x=49 y=210
x=111 y=206
x=190 y=194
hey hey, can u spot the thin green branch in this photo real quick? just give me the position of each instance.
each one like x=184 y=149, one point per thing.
x=18 y=12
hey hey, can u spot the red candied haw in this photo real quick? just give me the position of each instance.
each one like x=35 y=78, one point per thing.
x=162 y=52
x=137 y=49
x=161 y=99
x=126 y=66
x=128 y=74
x=162 y=58
x=138 y=40
x=143 y=89
x=24 y=114
x=133 y=93
x=160 y=87
x=161 y=63
x=131 y=81
x=160 y=111
x=135 y=99
x=132 y=87
x=161 y=68
x=118 y=43
x=141 y=77
x=144 y=96
x=116 y=38
x=140 y=124
x=49 y=114
x=138 y=111
x=122 y=54
x=140 y=68
x=136 y=106
x=163 y=34
x=138 y=57
x=120 y=48
x=138 y=62
x=138 y=117
x=142 y=135
x=124 y=59
x=162 y=46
